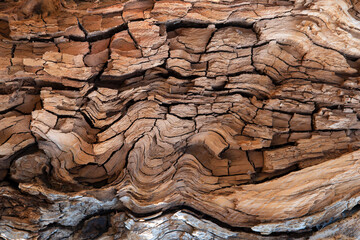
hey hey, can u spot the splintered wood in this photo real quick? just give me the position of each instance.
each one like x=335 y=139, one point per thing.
x=150 y=119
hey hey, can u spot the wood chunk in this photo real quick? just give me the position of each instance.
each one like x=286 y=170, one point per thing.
x=10 y=101
x=138 y=129
x=27 y=167
x=183 y=110
x=31 y=102
x=45 y=117
x=257 y=85
x=146 y=35
x=174 y=129
x=280 y=139
x=192 y=40
x=92 y=22
x=249 y=143
x=264 y=117
x=90 y=174
x=63 y=71
x=52 y=56
x=111 y=21
x=35 y=49
x=15 y=134
x=105 y=149
x=122 y=42
x=238 y=162
x=281 y=120
x=182 y=54
x=218 y=167
x=221 y=62
x=300 y=122
x=230 y=38
x=6 y=49
x=245 y=110
x=99 y=53
x=97 y=59
x=126 y=58
x=212 y=141
x=234 y=180
x=74 y=48
x=299 y=135
x=117 y=161
x=137 y=10
x=61 y=102
x=256 y=158
x=327 y=119
x=169 y=9
x=319 y=145
x=258 y=131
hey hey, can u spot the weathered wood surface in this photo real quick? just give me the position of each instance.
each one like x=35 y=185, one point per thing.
x=140 y=119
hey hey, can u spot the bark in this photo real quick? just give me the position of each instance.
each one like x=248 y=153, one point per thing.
x=211 y=119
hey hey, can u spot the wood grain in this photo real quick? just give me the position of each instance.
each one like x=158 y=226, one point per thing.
x=184 y=119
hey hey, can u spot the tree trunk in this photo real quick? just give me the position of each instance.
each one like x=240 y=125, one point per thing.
x=210 y=119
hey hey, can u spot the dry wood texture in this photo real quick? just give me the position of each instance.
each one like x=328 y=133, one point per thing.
x=208 y=119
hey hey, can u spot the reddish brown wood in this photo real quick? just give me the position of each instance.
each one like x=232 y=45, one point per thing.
x=162 y=119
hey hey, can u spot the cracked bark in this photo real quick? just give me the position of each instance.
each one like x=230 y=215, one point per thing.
x=179 y=119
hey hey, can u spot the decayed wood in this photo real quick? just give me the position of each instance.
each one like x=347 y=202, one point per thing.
x=179 y=119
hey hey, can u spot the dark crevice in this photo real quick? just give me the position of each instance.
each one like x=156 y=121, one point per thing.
x=92 y=37
x=82 y=28
x=244 y=92
x=175 y=74
x=263 y=177
x=117 y=81
x=242 y=24
x=176 y=24
x=289 y=144
x=10 y=109
x=13 y=51
x=173 y=25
